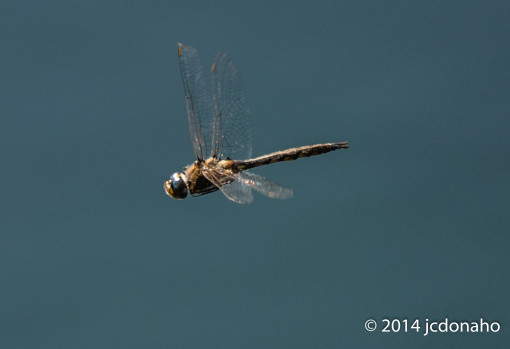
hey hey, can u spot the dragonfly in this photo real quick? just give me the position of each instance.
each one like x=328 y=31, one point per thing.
x=219 y=123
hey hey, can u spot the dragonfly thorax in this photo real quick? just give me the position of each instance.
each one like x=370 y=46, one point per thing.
x=220 y=130
x=177 y=186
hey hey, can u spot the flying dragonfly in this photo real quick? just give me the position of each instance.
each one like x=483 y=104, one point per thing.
x=220 y=129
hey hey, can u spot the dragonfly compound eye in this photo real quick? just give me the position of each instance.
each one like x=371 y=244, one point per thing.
x=176 y=186
x=229 y=128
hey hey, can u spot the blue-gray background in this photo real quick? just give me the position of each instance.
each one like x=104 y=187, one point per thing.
x=411 y=221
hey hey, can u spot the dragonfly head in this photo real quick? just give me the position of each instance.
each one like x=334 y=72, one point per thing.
x=176 y=186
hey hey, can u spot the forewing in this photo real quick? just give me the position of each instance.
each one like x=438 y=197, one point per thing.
x=232 y=136
x=238 y=186
x=198 y=100
x=226 y=181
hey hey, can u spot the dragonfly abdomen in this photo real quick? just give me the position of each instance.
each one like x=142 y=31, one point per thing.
x=289 y=154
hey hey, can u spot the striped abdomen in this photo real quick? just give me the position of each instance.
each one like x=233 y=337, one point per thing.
x=289 y=154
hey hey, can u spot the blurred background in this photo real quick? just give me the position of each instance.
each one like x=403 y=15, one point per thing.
x=410 y=222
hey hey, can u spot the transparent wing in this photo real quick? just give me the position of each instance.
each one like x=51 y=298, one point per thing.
x=238 y=186
x=225 y=180
x=198 y=101
x=263 y=185
x=232 y=120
